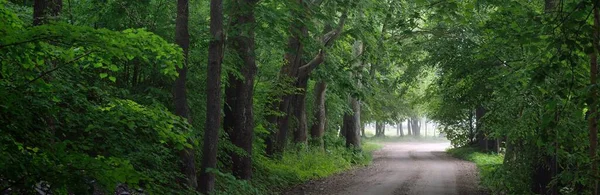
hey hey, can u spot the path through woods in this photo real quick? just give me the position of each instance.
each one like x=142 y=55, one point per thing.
x=402 y=168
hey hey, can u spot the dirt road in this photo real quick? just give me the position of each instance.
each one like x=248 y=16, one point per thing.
x=402 y=168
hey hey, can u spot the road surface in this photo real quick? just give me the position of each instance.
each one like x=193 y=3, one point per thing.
x=401 y=168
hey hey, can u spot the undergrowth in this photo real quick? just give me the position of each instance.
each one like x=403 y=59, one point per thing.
x=489 y=165
x=296 y=166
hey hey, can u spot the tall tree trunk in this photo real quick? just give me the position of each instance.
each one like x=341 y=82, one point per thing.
x=353 y=130
x=593 y=117
x=416 y=128
x=409 y=126
x=298 y=109
x=343 y=130
x=550 y=5
x=398 y=126
x=294 y=105
x=353 y=134
x=484 y=142
x=362 y=130
x=479 y=128
x=45 y=11
x=377 y=129
x=239 y=118
x=293 y=59
x=471 y=128
x=318 y=129
x=213 y=99
x=182 y=38
x=401 y=128
x=425 y=124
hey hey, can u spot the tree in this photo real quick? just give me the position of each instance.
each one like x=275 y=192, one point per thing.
x=409 y=126
x=399 y=131
x=318 y=129
x=182 y=38
x=213 y=101
x=415 y=126
x=45 y=11
x=352 y=120
x=593 y=115
x=292 y=106
x=379 y=129
x=239 y=117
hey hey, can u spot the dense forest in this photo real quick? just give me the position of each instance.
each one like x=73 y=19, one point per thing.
x=254 y=96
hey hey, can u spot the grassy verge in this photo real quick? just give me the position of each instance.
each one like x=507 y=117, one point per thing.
x=488 y=164
x=296 y=166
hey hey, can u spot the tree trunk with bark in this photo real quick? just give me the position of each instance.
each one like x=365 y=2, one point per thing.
x=482 y=139
x=318 y=128
x=239 y=117
x=213 y=99
x=593 y=116
x=379 y=129
x=298 y=109
x=472 y=134
x=408 y=125
x=401 y=128
x=343 y=127
x=351 y=125
x=416 y=128
x=45 y=11
x=353 y=129
x=294 y=69
x=362 y=130
x=182 y=38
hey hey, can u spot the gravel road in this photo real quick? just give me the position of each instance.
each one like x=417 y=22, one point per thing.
x=401 y=168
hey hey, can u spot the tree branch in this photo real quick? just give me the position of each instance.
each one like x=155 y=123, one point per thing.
x=27 y=41
x=55 y=68
x=307 y=68
x=328 y=38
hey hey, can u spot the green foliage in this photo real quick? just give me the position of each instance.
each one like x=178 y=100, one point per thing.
x=528 y=68
x=297 y=165
x=85 y=101
x=300 y=165
x=489 y=167
x=64 y=115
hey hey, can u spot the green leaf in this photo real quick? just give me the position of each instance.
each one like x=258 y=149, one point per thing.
x=103 y=75
x=113 y=68
x=113 y=79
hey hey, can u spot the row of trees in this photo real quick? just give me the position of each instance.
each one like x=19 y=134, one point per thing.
x=142 y=93
x=520 y=77
x=414 y=127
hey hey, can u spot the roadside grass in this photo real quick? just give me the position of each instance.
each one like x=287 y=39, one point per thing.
x=371 y=146
x=296 y=166
x=488 y=164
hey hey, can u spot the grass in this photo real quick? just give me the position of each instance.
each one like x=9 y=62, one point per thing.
x=296 y=166
x=371 y=146
x=488 y=164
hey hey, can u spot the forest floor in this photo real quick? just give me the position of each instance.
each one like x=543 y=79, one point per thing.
x=401 y=168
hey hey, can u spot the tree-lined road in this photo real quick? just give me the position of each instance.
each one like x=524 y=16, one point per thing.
x=402 y=168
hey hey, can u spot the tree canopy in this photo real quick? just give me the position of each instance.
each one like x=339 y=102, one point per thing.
x=198 y=97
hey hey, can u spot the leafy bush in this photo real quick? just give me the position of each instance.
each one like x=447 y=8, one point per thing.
x=64 y=120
